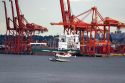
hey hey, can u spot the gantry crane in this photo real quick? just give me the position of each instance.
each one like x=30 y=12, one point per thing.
x=19 y=37
x=88 y=31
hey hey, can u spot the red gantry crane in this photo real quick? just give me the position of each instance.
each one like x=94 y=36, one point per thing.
x=88 y=31
x=19 y=36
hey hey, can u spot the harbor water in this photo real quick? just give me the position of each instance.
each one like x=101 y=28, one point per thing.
x=38 y=69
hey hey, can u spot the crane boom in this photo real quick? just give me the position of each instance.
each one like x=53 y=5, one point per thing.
x=63 y=10
x=13 y=16
x=6 y=15
x=20 y=22
x=69 y=9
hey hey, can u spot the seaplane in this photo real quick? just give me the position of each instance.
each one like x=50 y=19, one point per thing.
x=61 y=57
x=68 y=45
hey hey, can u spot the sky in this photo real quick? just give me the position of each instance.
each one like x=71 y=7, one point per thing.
x=43 y=12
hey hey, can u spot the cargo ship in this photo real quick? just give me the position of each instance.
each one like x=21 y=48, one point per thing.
x=66 y=43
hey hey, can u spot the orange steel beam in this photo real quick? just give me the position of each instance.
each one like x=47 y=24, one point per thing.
x=13 y=16
x=6 y=16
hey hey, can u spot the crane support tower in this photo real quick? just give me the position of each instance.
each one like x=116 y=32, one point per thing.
x=19 y=36
x=94 y=35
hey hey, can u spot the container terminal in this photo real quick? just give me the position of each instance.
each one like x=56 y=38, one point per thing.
x=20 y=45
x=91 y=38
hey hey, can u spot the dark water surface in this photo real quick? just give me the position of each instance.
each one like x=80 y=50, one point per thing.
x=38 y=69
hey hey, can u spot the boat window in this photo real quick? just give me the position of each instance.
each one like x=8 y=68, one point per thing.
x=63 y=39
